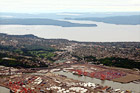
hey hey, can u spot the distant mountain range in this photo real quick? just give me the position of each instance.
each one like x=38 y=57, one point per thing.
x=119 y=20
x=38 y=21
x=122 y=18
x=62 y=15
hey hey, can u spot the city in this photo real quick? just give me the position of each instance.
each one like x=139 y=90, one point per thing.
x=63 y=66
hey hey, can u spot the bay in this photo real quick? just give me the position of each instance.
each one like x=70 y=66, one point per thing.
x=102 y=33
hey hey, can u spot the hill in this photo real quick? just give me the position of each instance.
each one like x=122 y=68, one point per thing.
x=119 y=20
x=38 y=21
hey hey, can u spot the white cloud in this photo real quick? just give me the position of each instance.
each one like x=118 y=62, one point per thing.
x=68 y=5
x=6 y=16
x=73 y=14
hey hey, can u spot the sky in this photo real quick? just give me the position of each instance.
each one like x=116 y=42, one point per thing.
x=43 y=6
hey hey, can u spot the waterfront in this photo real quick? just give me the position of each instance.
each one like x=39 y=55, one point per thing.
x=128 y=86
x=115 y=85
x=63 y=79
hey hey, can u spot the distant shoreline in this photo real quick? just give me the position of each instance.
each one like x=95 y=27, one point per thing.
x=37 y=21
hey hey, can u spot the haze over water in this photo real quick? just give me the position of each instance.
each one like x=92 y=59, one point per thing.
x=102 y=33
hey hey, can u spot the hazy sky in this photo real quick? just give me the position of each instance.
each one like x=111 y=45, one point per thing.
x=36 y=6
